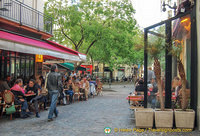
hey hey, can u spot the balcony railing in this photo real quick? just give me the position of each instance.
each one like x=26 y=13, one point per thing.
x=25 y=15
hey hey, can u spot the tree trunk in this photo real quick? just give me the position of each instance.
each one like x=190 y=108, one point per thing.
x=103 y=71
x=181 y=71
x=161 y=95
x=75 y=67
x=157 y=71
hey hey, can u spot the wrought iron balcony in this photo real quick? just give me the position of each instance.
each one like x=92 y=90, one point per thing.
x=25 y=15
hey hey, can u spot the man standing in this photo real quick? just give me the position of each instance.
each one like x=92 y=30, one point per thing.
x=150 y=75
x=54 y=85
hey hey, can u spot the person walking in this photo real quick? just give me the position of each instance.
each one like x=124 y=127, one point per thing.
x=54 y=85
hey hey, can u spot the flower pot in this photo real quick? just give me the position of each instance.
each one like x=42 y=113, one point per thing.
x=184 y=119
x=144 y=118
x=164 y=119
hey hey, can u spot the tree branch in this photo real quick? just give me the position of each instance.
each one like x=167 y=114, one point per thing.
x=82 y=38
x=90 y=46
x=68 y=37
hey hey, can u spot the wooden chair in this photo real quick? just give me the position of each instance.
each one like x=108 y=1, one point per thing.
x=137 y=100
x=99 y=89
x=8 y=101
x=76 y=93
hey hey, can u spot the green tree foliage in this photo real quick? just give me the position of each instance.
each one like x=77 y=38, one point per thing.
x=104 y=30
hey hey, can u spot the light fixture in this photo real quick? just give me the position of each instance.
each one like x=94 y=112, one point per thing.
x=164 y=7
x=184 y=20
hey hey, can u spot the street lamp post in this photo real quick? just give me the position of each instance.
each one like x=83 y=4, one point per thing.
x=174 y=7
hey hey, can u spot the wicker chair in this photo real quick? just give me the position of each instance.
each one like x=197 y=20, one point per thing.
x=76 y=93
x=8 y=101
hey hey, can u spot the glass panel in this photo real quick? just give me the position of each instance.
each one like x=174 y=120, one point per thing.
x=17 y=67
x=12 y=67
x=182 y=51
x=31 y=67
x=23 y=67
x=156 y=53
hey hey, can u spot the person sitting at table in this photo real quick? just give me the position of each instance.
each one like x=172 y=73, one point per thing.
x=43 y=98
x=99 y=87
x=139 y=89
x=62 y=99
x=153 y=89
x=4 y=86
x=77 y=89
x=19 y=92
x=92 y=87
x=69 y=90
x=85 y=87
x=32 y=88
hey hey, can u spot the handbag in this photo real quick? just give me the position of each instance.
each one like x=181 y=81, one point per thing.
x=11 y=109
x=45 y=90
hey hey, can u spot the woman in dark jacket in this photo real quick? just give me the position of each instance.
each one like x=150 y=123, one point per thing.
x=139 y=90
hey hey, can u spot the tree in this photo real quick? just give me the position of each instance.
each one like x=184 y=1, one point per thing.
x=104 y=30
x=155 y=50
x=176 y=51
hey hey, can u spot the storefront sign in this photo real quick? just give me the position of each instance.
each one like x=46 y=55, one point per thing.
x=38 y=58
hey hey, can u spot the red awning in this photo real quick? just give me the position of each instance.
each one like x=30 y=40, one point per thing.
x=22 y=44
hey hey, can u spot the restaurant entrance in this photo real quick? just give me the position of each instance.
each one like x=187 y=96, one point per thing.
x=16 y=65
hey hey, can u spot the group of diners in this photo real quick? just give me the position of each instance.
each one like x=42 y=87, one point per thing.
x=79 y=87
x=30 y=94
x=25 y=95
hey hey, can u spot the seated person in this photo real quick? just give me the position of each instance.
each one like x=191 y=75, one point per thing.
x=153 y=93
x=19 y=92
x=99 y=86
x=176 y=85
x=69 y=90
x=43 y=97
x=4 y=85
x=84 y=86
x=76 y=87
x=32 y=87
x=92 y=87
x=139 y=89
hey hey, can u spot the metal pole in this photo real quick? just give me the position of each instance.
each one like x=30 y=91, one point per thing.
x=38 y=22
x=194 y=70
x=145 y=67
x=20 y=13
x=168 y=65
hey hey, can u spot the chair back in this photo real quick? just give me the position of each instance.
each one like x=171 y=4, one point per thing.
x=76 y=89
x=8 y=97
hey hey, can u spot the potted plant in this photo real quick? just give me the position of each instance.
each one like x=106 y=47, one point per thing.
x=163 y=117
x=184 y=118
x=144 y=118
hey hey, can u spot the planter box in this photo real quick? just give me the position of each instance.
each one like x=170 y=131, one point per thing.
x=164 y=119
x=144 y=118
x=184 y=119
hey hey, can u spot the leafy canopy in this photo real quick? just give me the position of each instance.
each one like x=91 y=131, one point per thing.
x=104 y=30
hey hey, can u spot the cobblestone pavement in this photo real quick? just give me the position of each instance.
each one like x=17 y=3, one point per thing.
x=87 y=118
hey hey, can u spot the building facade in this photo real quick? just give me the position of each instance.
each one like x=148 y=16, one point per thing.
x=24 y=30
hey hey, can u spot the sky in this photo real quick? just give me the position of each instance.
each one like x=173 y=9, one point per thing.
x=148 y=12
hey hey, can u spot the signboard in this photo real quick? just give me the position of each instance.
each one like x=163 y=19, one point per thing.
x=38 y=58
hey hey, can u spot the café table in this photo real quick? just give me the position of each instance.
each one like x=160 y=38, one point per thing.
x=30 y=96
